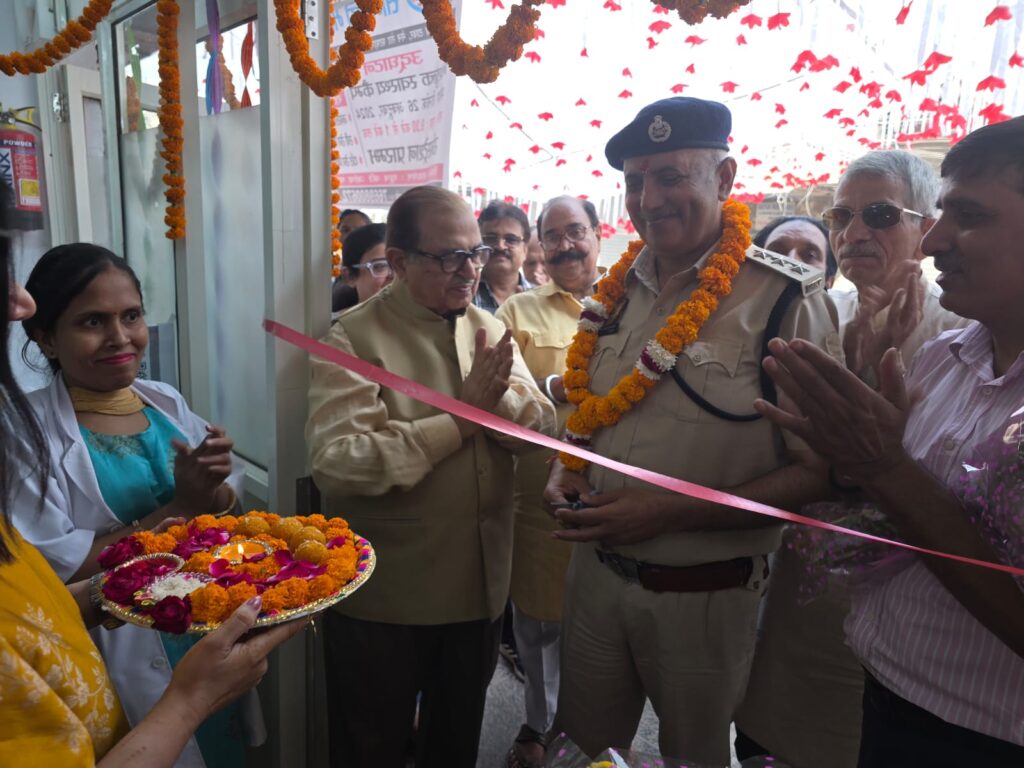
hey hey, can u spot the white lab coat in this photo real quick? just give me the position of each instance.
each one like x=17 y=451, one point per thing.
x=74 y=512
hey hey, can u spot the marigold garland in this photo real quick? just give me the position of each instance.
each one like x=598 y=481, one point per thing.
x=77 y=33
x=659 y=354
x=335 y=166
x=171 y=122
x=695 y=11
x=342 y=73
x=481 y=64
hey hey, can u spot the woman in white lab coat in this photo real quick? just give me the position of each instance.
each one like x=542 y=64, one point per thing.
x=123 y=452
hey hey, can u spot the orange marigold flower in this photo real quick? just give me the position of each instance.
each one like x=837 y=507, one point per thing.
x=202 y=522
x=156 y=542
x=293 y=593
x=210 y=604
x=200 y=562
x=342 y=570
x=238 y=594
x=322 y=586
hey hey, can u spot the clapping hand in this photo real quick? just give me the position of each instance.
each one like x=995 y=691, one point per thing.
x=856 y=429
x=488 y=377
x=200 y=471
x=862 y=344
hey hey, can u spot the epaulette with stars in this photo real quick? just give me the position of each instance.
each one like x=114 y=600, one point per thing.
x=811 y=279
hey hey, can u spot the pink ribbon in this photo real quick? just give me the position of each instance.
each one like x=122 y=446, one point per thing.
x=490 y=421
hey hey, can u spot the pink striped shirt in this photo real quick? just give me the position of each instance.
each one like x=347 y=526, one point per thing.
x=909 y=631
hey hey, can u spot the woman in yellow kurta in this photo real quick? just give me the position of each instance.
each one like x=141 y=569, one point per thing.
x=57 y=706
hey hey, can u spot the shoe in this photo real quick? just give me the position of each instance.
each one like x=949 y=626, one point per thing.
x=509 y=654
x=527 y=740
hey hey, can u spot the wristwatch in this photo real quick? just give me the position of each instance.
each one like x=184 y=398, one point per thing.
x=96 y=601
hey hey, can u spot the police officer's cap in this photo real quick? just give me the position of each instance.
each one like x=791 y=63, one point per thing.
x=681 y=122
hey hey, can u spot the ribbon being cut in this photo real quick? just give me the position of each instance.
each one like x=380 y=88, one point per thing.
x=485 y=419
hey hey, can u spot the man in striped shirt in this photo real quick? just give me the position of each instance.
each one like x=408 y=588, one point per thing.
x=942 y=643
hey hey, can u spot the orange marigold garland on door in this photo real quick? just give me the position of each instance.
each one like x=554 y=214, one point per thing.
x=481 y=64
x=659 y=354
x=695 y=11
x=77 y=33
x=342 y=73
x=335 y=165
x=171 y=122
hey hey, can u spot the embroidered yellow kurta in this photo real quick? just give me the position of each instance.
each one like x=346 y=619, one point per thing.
x=543 y=322
x=57 y=705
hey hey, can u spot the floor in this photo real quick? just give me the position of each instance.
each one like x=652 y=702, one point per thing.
x=504 y=715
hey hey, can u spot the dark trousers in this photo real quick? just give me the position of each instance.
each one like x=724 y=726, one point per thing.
x=374 y=673
x=897 y=734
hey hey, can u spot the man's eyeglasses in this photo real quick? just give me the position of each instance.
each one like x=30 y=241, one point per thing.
x=452 y=261
x=495 y=241
x=377 y=267
x=574 y=233
x=876 y=216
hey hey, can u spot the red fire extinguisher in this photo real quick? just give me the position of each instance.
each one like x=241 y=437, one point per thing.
x=20 y=170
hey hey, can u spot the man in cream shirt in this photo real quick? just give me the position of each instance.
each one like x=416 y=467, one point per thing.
x=884 y=204
x=543 y=322
x=431 y=492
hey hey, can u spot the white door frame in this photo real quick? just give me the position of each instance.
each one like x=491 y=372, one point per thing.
x=82 y=84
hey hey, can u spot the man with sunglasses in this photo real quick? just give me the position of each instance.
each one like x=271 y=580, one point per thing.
x=803 y=703
x=941 y=642
x=431 y=491
x=662 y=591
x=884 y=204
x=505 y=229
x=543 y=323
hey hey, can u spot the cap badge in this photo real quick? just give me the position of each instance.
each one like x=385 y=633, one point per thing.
x=659 y=131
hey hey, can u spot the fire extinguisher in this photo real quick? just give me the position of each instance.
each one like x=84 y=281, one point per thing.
x=20 y=168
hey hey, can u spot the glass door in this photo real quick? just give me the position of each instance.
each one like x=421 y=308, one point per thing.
x=140 y=170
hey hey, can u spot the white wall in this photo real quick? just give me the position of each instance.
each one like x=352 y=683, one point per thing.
x=15 y=92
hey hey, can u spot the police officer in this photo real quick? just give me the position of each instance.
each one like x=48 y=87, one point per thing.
x=663 y=589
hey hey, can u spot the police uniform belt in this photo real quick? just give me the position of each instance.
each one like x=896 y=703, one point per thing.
x=707 y=577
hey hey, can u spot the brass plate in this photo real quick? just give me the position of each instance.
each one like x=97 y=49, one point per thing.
x=367 y=560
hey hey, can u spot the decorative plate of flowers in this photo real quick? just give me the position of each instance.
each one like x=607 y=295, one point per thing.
x=192 y=577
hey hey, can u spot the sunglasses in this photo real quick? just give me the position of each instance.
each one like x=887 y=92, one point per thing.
x=876 y=216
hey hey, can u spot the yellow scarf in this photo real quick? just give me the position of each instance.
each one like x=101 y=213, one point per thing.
x=120 y=402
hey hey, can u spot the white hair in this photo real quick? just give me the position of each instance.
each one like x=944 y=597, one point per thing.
x=919 y=179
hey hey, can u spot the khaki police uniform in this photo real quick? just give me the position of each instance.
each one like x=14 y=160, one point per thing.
x=690 y=653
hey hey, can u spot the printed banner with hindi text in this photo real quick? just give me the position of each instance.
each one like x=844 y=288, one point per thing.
x=394 y=128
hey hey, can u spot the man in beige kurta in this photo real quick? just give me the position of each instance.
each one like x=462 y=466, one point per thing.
x=543 y=322
x=803 y=703
x=663 y=590
x=431 y=492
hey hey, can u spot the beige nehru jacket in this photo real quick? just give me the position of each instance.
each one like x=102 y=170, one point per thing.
x=669 y=433
x=437 y=508
x=543 y=322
